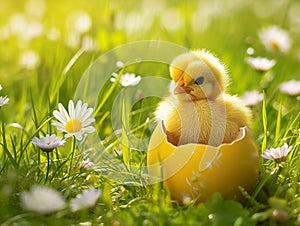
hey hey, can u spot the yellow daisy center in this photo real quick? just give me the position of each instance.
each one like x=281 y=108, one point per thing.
x=274 y=45
x=74 y=125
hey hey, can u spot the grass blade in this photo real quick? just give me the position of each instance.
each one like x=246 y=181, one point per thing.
x=124 y=138
x=6 y=150
x=278 y=123
x=264 y=119
x=109 y=92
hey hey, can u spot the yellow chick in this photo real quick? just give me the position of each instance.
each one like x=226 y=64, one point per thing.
x=198 y=109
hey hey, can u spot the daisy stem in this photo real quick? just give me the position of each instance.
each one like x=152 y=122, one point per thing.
x=48 y=167
x=124 y=138
x=72 y=154
x=261 y=184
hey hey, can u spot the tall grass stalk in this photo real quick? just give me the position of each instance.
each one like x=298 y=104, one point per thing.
x=125 y=129
x=264 y=120
x=278 y=124
x=6 y=152
x=48 y=167
x=108 y=93
x=71 y=155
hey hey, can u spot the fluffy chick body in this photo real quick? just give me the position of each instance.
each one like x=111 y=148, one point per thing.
x=206 y=122
x=201 y=113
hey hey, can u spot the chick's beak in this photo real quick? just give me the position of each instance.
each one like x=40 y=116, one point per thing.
x=181 y=86
x=178 y=89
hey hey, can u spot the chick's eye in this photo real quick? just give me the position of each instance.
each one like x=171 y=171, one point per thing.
x=199 y=81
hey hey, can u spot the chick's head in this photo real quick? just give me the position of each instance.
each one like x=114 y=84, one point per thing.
x=198 y=75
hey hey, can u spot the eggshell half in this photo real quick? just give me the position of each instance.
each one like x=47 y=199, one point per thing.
x=197 y=171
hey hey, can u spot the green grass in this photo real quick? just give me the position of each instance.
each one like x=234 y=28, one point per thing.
x=127 y=198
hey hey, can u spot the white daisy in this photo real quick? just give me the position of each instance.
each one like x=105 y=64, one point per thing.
x=275 y=39
x=3 y=100
x=129 y=79
x=252 y=98
x=87 y=165
x=48 y=143
x=260 y=63
x=277 y=154
x=86 y=200
x=291 y=87
x=42 y=199
x=0 y=87
x=76 y=121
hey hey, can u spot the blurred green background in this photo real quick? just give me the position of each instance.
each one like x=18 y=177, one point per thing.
x=47 y=45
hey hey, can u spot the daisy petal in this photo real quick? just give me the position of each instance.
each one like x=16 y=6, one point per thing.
x=82 y=111
x=88 y=122
x=71 y=109
x=61 y=127
x=87 y=114
x=78 y=108
x=59 y=116
x=78 y=135
x=63 y=112
x=89 y=129
x=68 y=135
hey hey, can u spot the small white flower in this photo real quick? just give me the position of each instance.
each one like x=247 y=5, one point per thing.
x=86 y=200
x=250 y=51
x=79 y=21
x=48 y=143
x=53 y=34
x=33 y=29
x=29 y=60
x=291 y=87
x=87 y=165
x=89 y=44
x=42 y=199
x=186 y=199
x=119 y=64
x=76 y=121
x=23 y=27
x=252 y=98
x=17 y=23
x=277 y=154
x=72 y=39
x=275 y=39
x=260 y=63
x=129 y=79
x=3 y=100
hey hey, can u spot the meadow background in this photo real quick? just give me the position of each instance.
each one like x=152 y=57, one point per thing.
x=45 y=48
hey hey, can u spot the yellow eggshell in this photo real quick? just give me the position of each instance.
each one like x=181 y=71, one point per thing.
x=197 y=171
